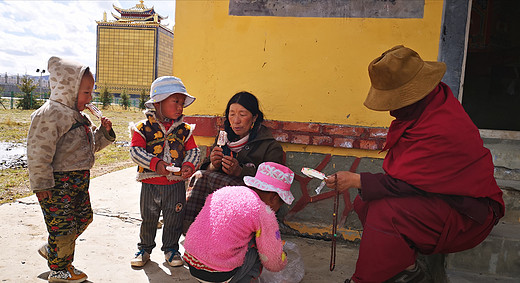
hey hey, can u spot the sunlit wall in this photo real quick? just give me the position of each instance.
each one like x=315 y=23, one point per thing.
x=303 y=69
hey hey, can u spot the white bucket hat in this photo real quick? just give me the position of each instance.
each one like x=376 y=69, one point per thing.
x=273 y=177
x=165 y=86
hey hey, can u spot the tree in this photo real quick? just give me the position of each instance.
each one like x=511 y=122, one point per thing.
x=27 y=86
x=125 y=100
x=105 y=98
x=142 y=99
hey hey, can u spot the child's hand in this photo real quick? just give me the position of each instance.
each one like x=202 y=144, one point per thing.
x=160 y=168
x=43 y=195
x=105 y=122
x=186 y=171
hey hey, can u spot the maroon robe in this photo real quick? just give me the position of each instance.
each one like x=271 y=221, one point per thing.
x=439 y=194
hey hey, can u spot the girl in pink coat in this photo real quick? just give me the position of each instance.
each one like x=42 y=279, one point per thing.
x=236 y=232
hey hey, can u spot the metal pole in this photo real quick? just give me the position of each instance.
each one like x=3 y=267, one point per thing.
x=40 y=81
x=40 y=84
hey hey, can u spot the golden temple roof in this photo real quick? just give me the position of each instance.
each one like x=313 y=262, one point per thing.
x=137 y=13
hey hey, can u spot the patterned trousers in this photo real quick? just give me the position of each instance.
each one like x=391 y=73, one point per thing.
x=67 y=213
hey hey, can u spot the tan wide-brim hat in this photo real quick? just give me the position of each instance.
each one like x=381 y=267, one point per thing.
x=399 y=78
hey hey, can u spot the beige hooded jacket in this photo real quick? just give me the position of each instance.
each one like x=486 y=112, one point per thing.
x=55 y=143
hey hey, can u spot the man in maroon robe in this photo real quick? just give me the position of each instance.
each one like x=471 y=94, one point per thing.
x=438 y=193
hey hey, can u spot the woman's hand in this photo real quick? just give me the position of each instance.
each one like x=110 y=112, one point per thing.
x=343 y=180
x=43 y=195
x=231 y=166
x=160 y=168
x=215 y=157
x=105 y=122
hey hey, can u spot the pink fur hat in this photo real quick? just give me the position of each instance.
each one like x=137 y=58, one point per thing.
x=273 y=177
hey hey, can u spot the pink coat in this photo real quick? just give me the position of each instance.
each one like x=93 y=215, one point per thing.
x=221 y=232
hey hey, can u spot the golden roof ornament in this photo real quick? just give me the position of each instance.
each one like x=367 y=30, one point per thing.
x=138 y=13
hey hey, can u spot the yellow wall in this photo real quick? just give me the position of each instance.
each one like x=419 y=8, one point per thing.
x=301 y=69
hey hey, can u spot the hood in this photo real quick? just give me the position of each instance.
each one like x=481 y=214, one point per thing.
x=65 y=77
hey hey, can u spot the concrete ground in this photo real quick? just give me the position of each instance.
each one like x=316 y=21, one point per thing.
x=105 y=249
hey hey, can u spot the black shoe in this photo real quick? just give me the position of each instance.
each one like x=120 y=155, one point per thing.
x=415 y=275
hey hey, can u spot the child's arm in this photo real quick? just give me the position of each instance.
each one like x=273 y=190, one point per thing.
x=269 y=242
x=141 y=157
x=41 y=147
x=191 y=158
x=105 y=122
x=104 y=135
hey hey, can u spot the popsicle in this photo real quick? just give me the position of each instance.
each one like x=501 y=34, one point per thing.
x=94 y=110
x=172 y=168
x=309 y=172
x=222 y=138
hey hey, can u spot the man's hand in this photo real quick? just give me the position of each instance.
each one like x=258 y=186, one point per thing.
x=343 y=180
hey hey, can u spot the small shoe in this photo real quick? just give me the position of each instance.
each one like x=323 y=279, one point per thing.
x=70 y=274
x=44 y=251
x=173 y=258
x=415 y=275
x=140 y=259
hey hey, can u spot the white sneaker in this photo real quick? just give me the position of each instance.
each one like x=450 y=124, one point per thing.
x=140 y=259
x=173 y=258
x=44 y=251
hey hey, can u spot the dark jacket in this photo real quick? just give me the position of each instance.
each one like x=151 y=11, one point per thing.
x=262 y=148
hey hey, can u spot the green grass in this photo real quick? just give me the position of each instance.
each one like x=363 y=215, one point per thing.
x=14 y=124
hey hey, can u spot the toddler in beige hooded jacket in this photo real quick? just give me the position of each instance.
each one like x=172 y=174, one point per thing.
x=60 y=152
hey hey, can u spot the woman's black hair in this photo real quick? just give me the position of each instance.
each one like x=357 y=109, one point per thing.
x=249 y=102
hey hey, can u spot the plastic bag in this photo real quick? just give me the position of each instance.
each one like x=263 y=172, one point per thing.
x=293 y=271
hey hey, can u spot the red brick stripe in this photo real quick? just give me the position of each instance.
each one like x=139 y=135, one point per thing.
x=339 y=136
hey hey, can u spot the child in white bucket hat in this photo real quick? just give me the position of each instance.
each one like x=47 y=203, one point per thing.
x=236 y=232
x=165 y=86
x=166 y=154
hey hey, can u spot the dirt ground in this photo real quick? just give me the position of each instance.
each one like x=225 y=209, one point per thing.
x=14 y=124
x=23 y=189
x=105 y=249
x=99 y=170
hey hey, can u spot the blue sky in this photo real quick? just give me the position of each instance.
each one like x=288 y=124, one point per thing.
x=33 y=31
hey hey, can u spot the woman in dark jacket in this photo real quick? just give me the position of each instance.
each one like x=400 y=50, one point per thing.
x=249 y=143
